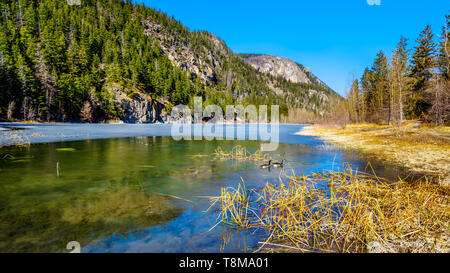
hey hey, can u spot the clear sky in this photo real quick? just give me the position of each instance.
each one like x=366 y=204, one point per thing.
x=336 y=39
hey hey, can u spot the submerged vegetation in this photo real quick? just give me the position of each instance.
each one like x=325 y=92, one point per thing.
x=48 y=226
x=340 y=212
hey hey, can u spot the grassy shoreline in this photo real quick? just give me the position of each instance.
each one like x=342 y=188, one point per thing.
x=350 y=211
x=418 y=148
x=353 y=213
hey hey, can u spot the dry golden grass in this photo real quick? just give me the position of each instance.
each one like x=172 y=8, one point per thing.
x=27 y=121
x=423 y=149
x=350 y=212
x=17 y=140
x=299 y=116
x=240 y=153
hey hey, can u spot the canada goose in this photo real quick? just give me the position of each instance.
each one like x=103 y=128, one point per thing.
x=278 y=165
x=266 y=166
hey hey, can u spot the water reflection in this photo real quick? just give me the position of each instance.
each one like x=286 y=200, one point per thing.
x=111 y=194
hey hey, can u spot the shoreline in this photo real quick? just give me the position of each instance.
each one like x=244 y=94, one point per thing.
x=423 y=150
x=34 y=133
x=122 y=122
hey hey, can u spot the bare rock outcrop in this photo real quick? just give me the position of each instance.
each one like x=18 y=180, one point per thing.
x=140 y=108
x=278 y=67
x=203 y=59
x=282 y=68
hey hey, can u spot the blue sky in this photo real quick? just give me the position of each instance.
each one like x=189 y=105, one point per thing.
x=335 y=39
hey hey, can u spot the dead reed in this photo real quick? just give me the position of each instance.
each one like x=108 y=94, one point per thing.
x=240 y=153
x=341 y=212
x=15 y=139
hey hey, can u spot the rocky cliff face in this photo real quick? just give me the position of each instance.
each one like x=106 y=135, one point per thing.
x=283 y=68
x=278 y=67
x=140 y=108
x=203 y=60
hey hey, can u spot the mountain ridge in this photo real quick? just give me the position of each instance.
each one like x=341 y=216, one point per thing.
x=106 y=60
x=261 y=62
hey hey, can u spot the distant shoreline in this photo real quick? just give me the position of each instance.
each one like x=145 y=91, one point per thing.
x=61 y=132
x=121 y=122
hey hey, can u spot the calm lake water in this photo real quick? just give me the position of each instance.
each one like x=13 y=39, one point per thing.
x=110 y=194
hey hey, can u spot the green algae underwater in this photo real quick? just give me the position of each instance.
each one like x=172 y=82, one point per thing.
x=85 y=191
x=116 y=194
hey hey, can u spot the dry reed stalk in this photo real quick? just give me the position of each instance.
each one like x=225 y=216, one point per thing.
x=240 y=153
x=341 y=212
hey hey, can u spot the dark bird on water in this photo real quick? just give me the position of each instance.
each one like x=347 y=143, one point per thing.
x=278 y=165
x=266 y=166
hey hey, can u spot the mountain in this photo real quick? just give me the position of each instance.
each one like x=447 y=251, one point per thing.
x=284 y=68
x=114 y=60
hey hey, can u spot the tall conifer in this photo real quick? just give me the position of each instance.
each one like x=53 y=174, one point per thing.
x=422 y=65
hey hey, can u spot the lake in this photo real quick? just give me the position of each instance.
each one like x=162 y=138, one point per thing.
x=112 y=188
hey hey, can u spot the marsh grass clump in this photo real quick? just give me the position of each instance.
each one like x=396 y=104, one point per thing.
x=18 y=140
x=240 y=153
x=341 y=212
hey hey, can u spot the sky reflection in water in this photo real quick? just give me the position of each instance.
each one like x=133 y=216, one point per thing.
x=108 y=192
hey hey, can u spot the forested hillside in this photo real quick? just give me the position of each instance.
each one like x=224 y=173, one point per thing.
x=110 y=60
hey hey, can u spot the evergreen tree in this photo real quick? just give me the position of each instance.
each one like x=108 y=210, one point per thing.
x=441 y=88
x=380 y=78
x=62 y=62
x=421 y=71
x=444 y=51
x=399 y=79
x=353 y=100
x=368 y=93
